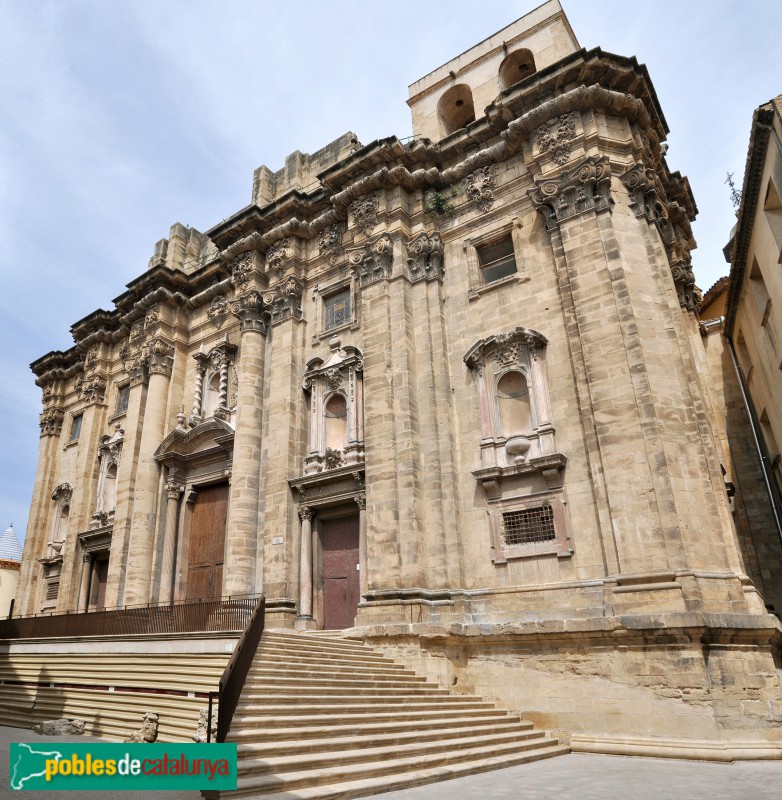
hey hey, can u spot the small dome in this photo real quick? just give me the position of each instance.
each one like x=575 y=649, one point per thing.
x=10 y=549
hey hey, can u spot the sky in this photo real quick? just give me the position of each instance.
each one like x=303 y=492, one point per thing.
x=119 y=118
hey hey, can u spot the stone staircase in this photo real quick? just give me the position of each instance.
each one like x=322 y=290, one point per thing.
x=325 y=717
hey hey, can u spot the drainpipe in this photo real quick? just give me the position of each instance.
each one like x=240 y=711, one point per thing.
x=753 y=424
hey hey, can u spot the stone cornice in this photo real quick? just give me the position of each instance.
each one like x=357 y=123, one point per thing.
x=587 y=80
x=57 y=365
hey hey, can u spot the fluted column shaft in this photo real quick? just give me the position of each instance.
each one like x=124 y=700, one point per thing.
x=145 y=500
x=242 y=532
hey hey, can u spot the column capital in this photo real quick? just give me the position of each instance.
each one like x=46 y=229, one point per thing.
x=305 y=512
x=174 y=490
x=361 y=501
x=51 y=421
x=251 y=312
x=87 y=558
x=160 y=357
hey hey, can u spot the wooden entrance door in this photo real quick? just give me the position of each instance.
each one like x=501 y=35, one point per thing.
x=341 y=579
x=207 y=543
x=101 y=577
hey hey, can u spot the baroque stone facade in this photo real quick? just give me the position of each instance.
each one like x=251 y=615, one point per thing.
x=445 y=396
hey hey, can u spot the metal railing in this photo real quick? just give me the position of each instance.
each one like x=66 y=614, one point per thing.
x=235 y=674
x=197 y=616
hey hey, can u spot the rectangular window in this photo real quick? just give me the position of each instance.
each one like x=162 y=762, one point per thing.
x=529 y=525
x=123 y=396
x=497 y=260
x=76 y=427
x=337 y=309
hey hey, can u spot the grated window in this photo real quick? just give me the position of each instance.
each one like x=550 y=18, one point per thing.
x=52 y=590
x=123 y=396
x=528 y=525
x=337 y=308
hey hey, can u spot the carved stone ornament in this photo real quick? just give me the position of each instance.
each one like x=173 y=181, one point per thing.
x=51 y=421
x=556 y=135
x=93 y=389
x=364 y=211
x=372 y=262
x=646 y=193
x=148 y=730
x=47 y=392
x=332 y=458
x=330 y=242
x=218 y=311
x=278 y=254
x=240 y=269
x=152 y=319
x=160 y=357
x=134 y=366
x=480 y=187
x=251 y=312
x=587 y=187
x=677 y=236
x=63 y=493
x=505 y=349
x=284 y=300
x=425 y=257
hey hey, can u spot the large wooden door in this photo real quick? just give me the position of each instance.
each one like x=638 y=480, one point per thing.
x=207 y=543
x=341 y=579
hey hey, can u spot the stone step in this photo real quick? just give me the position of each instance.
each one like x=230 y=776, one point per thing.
x=339 y=715
x=417 y=740
x=311 y=690
x=269 y=668
x=274 y=681
x=369 y=728
x=372 y=700
x=502 y=754
x=336 y=648
x=277 y=707
x=275 y=656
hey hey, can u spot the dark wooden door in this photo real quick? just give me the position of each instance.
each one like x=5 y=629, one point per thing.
x=341 y=579
x=207 y=543
x=101 y=575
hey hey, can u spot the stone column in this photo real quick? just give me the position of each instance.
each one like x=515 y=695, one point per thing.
x=173 y=493
x=242 y=530
x=86 y=576
x=305 y=573
x=142 y=525
x=361 y=502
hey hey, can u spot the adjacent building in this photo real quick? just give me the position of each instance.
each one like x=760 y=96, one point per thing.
x=447 y=393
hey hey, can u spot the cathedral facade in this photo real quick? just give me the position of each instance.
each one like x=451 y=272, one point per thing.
x=448 y=394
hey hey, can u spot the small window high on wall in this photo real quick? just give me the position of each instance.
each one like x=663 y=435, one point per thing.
x=456 y=109
x=337 y=309
x=497 y=260
x=517 y=65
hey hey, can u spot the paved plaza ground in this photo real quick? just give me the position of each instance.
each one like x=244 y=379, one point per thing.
x=576 y=776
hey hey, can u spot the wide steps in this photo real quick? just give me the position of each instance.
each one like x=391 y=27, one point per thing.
x=269 y=757
x=287 y=781
x=362 y=787
x=323 y=717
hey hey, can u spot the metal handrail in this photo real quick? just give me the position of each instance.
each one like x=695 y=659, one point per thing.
x=235 y=674
x=221 y=615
